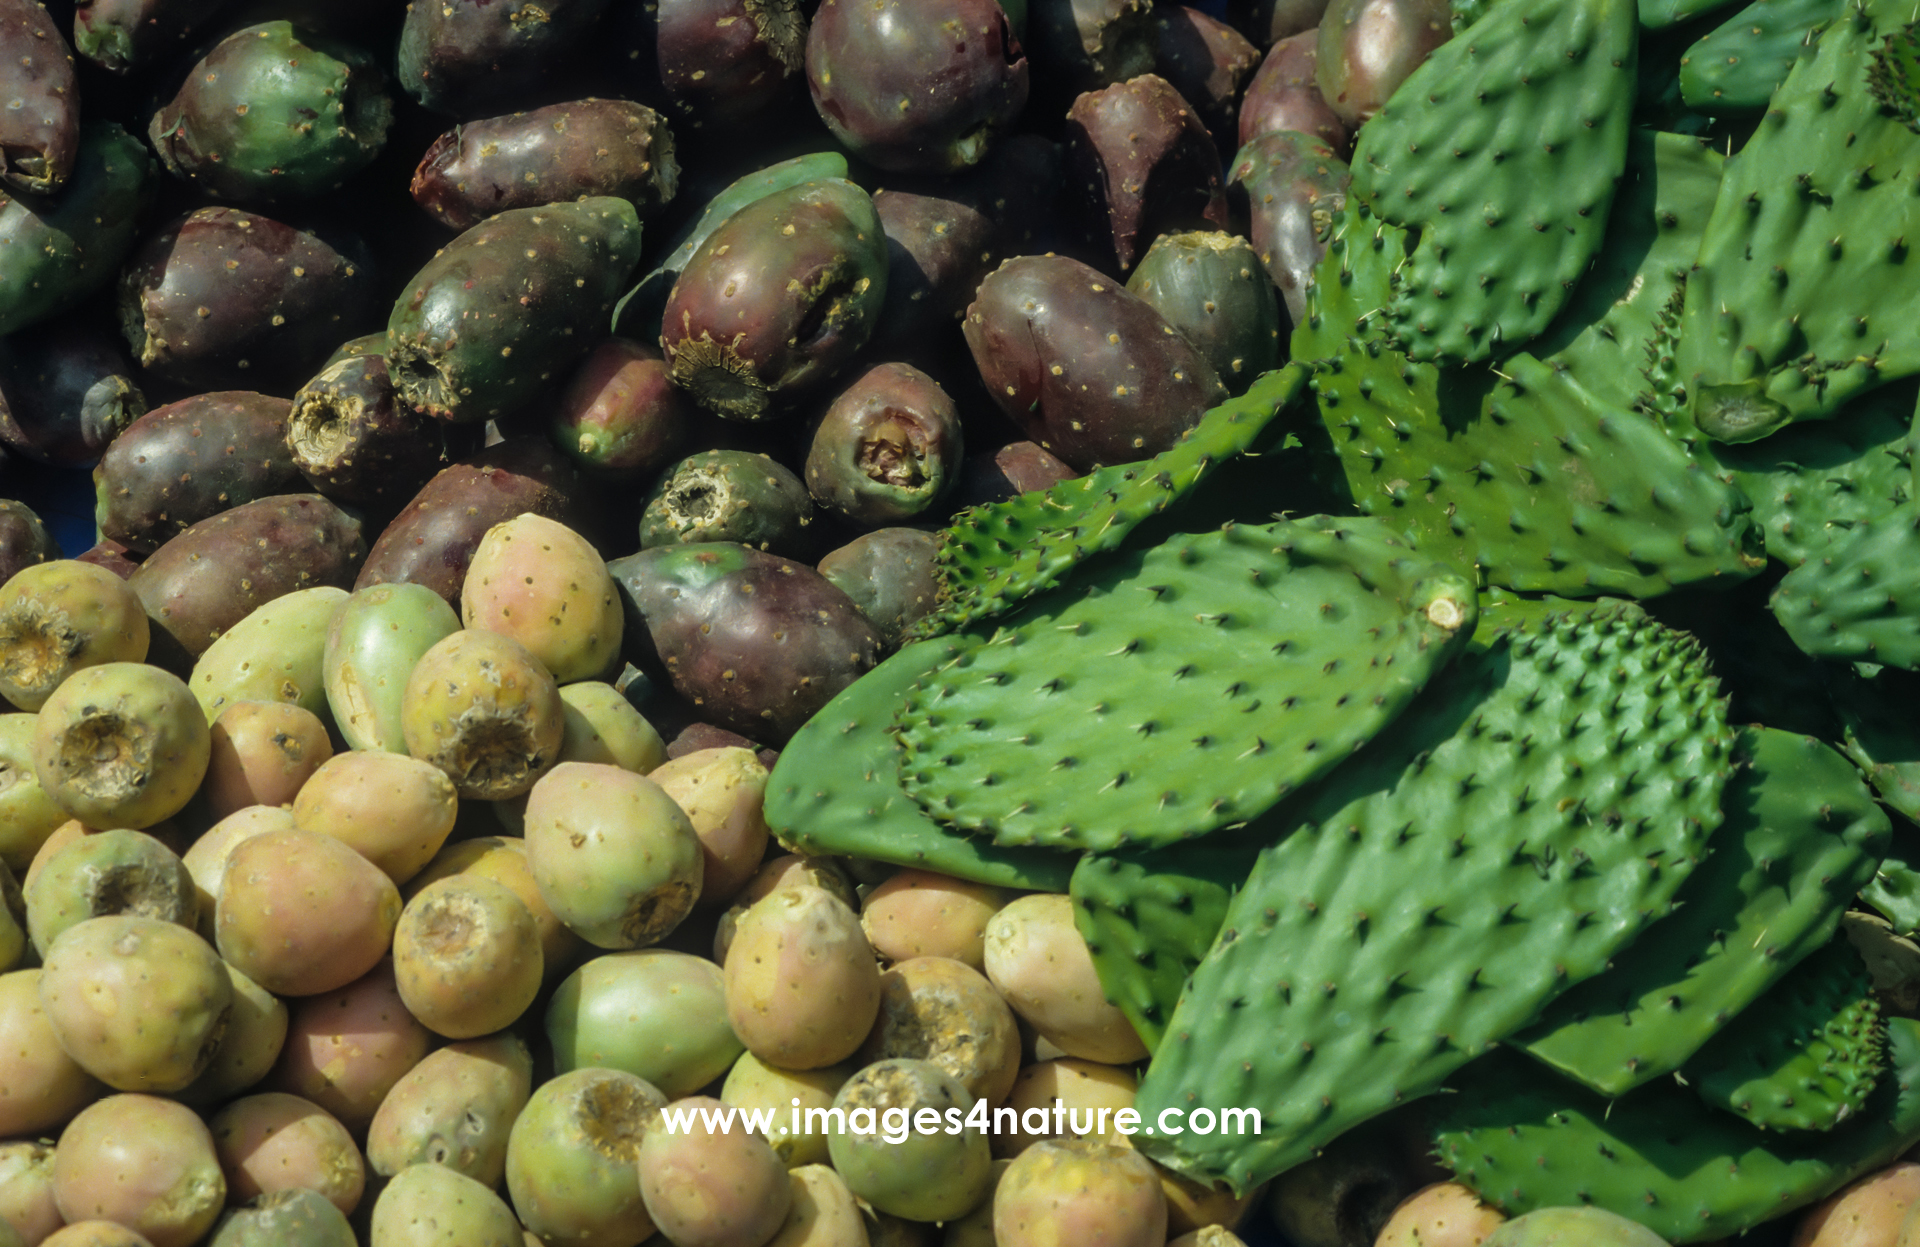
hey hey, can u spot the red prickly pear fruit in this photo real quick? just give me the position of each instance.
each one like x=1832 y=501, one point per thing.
x=1207 y=61
x=621 y=417
x=1285 y=95
x=1141 y=164
x=1088 y=369
x=1367 y=48
x=40 y=127
x=915 y=88
x=721 y=63
x=886 y=449
x=468 y=57
x=1267 y=22
x=67 y=390
x=777 y=299
x=1289 y=186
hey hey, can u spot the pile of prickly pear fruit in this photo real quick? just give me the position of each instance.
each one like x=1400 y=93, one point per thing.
x=958 y=622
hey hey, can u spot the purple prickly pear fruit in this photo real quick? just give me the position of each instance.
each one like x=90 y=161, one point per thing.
x=756 y=642
x=110 y=872
x=777 y=299
x=613 y=855
x=916 y=88
x=603 y=726
x=117 y=35
x=754 y=1084
x=1013 y=469
x=945 y=1011
x=1289 y=186
x=189 y=461
x=721 y=791
x=468 y=58
x=1367 y=48
x=273 y=1141
x=721 y=63
x=899 y=1171
x=221 y=298
x=111 y=555
x=1285 y=95
x=1211 y=286
x=1083 y=1190
x=261 y=752
x=455 y=1108
x=1141 y=163
x=706 y=1185
x=121 y=744
x=1207 y=62
x=44 y=1086
x=803 y=988
x=466 y=957
x=621 y=417
x=548 y=155
x=889 y=574
x=346 y=1049
x=1442 y=1214
x=730 y=495
x=921 y=913
x=60 y=617
x=485 y=710
x=66 y=391
x=40 y=129
x=1089 y=44
x=1089 y=370
x=144 y=1163
x=887 y=447
x=393 y=810
x=542 y=584
x=572 y=1158
x=434 y=1206
x=1267 y=22
x=24 y=540
x=172 y=991
x=354 y=441
x=256 y=1032
x=300 y=913
x=1039 y=961
x=503 y=859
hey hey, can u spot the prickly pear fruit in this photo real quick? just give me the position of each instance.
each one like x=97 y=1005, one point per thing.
x=722 y=791
x=886 y=449
x=1090 y=44
x=355 y=441
x=802 y=985
x=466 y=956
x=67 y=389
x=121 y=745
x=482 y=708
x=44 y=1086
x=144 y=1163
x=434 y=1206
x=263 y=751
x=272 y=1142
x=274 y=113
x=722 y=63
x=274 y=654
x=1589 y=1227
x=902 y=1172
x=946 y=1012
x=455 y=1108
x=120 y=34
x=777 y=299
x=140 y=1003
x=753 y=1084
x=61 y=248
x=504 y=860
x=603 y=726
x=891 y=576
x=657 y=1014
x=294 y=1215
x=374 y=640
x=542 y=584
x=1141 y=164
x=1079 y=1189
x=58 y=617
x=1365 y=49
x=1208 y=62
x=708 y=1186
x=1211 y=287
x=572 y=1158
x=613 y=855
x=393 y=810
x=1038 y=960
x=1293 y=186
x=1442 y=1214
x=41 y=133
x=621 y=416
x=109 y=872
x=300 y=913
x=256 y=1032
x=463 y=57
x=1283 y=95
x=346 y=1049
x=730 y=495
x=27 y=814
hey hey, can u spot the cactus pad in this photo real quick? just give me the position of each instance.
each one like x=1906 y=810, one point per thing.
x=993 y=556
x=1524 y=1139
x=835 y=788
x=1809 y=1052
x=1880 y=732
x=1860 y=601
x=1894 y=76
x=1175 y=691
x=1802 y=834
x=1502 y=151
x=1525 y=818
x=1736 y=67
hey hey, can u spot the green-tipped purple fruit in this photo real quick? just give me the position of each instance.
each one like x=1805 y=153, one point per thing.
x=886 y=449
x=1143 y=164
x=353 y=439
x=621 y=416
x=62 y=248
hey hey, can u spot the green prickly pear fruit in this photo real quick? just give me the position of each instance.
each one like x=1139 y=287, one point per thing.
x=823 y=1212
x=14 y=940
x=603 y=726
x=803 y=988
x=572 y=1158
x=900 y=1171
x=172 y=992
x=434 y=1206
x=504 y=860
x=484 y=709
x=393 y=810
x=27 y=814
x=711 y=1186
x=612 y=853
x=256 y=1032
x=887 y=448
x=922 y=913
x=55 y=250
x=777 y=299
x=509 y=305
x=1079 y=1189
x=58 y=617
x=346 y=1049
x=274 y=654
x=109 y=872
x=45 y=1086
x=274 y=113
x=294 y=1217
x=541 y=583
x=455 y=1108
x=96 y=1232
x=300 y=913
x=121 y=745
x=466 y=956
x=753 y=1084
x=730 y=495
x=1211 y=287
x=722 y=791
x=143 y=1163
x=374 y=640
x=1573 y=1227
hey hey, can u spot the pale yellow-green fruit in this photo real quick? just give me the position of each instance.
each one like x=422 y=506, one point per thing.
x=803 y=987
x=1039 y=961
x=539 y=582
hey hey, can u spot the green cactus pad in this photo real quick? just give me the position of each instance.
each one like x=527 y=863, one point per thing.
x=1880 y=732
x=1175 y=691
x=991 y=557
x=1801 y=297
x=1547 y=487
x=1811 y=485
x=1658 y=15
x=1518 y=824
x=1149 y=917
x=1860 y=601
x=1807 y=1054
x=1524 y=1139
x=1735 y=68
x=835 y=788
x=1502 y=151
x=1895 y=890
x=1802 y=835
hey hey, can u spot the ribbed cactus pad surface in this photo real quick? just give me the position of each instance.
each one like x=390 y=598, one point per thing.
x=1175 y=691
x=1527 y=817
x=1525 y=1139
x=993 y=556
x=1807 y=1055
x=1802 y=835
x=1501 y=150
x=836 y=787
